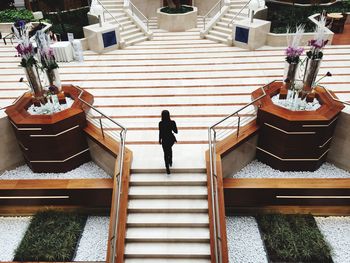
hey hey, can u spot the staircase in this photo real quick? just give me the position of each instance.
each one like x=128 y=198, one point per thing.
x=168 y=219
x=222 y=29
x=131 y=33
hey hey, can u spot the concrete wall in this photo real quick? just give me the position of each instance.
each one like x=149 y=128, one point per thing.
x=204 y=6
x=101 y=157
x=339 y=153
x=10 y=153
x=239 y=157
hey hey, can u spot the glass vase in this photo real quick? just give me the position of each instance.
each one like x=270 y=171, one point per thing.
x=33 y=78
x=290 y=71
x=311 y=70
x=53 y=78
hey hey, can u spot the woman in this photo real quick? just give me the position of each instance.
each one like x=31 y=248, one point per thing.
x=167 y=138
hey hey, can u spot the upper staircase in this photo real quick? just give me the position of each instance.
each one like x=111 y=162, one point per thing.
x=131 y=32
x=222 y=29
x=168 y=218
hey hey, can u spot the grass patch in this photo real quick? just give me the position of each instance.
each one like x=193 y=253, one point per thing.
x=293 y=238
x=283 y=16
x=183 y=9
x=51 y=236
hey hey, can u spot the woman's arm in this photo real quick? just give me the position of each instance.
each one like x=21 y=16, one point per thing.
x=160 y=136
x=174 y=127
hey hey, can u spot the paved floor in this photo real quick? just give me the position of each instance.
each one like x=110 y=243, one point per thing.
x=197 y=80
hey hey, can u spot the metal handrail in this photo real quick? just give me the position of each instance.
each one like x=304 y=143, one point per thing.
x=13 y=103
x=240 y=11
x=106 y=10
x=118 y=179
x=213 y=176
x=334 y=98
x=133 y=7
x=220 y=3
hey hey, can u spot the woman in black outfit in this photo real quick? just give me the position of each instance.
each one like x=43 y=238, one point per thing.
x=167 y=138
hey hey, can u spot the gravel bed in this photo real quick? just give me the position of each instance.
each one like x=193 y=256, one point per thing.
x=93 y=243
x=85 y=171
x=256 y=169
x=244 y=241
x=336 y=231
x=12 y=230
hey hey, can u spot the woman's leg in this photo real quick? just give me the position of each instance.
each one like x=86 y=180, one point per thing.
x=167 y=156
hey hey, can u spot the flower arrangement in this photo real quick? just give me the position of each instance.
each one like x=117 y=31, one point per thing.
x=319 y=42
x=24 y=48
x=293 y=51
x=47 y=56
x=48 y=62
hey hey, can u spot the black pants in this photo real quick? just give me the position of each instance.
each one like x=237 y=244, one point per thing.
x=168 y=154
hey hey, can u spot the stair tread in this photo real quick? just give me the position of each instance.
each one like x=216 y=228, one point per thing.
x=167 y=233
x=166 y=260
x=174 y=179
x=170 y=190
x=164 y=248
x=168 y=219
x=168 y=204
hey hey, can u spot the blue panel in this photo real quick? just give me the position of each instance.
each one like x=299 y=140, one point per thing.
x=109 y=39
x=242 y=34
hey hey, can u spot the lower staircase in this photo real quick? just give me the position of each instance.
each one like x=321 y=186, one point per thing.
x=131 y=33
x=168 y=218
x=222 y=29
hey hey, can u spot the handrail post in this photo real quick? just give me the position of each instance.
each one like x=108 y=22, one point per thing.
x=239 y=124
x=101 y=126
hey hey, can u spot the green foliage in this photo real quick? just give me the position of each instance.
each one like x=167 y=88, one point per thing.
x=183 y=9
x=51 y=236
x=12 y=15
x=293 y=238
x=71 y=21
x=283 y=16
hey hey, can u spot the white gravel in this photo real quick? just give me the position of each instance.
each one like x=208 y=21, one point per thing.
x=85 y=171
x=12 y=230
x=336 y=231
x=93 y=243
x=256 y=169
x=244 y=241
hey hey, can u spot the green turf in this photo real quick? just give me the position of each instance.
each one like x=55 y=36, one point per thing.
x=51 y=236
x=293 y=238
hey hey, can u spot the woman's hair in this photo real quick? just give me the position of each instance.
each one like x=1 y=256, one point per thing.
x=165 y=115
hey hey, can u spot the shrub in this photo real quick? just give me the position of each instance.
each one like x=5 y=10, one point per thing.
x=293 y=238
x=71 y=21
x=181 y=10
x=51 y=236
x=12 y=15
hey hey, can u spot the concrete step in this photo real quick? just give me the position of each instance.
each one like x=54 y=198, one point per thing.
x=192 y=220
x=167 y=234
x=166 y=260
x=129 y=32
x=130 y=27
x=224 y=24
x=168 y=205
x=167 y=250
x=139 y=38
x=219 y=34
x=223 y=29
x=215 y=38
x=169 y=192
x=174 y=179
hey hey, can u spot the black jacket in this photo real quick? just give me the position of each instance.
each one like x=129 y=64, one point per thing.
x=166 y=130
